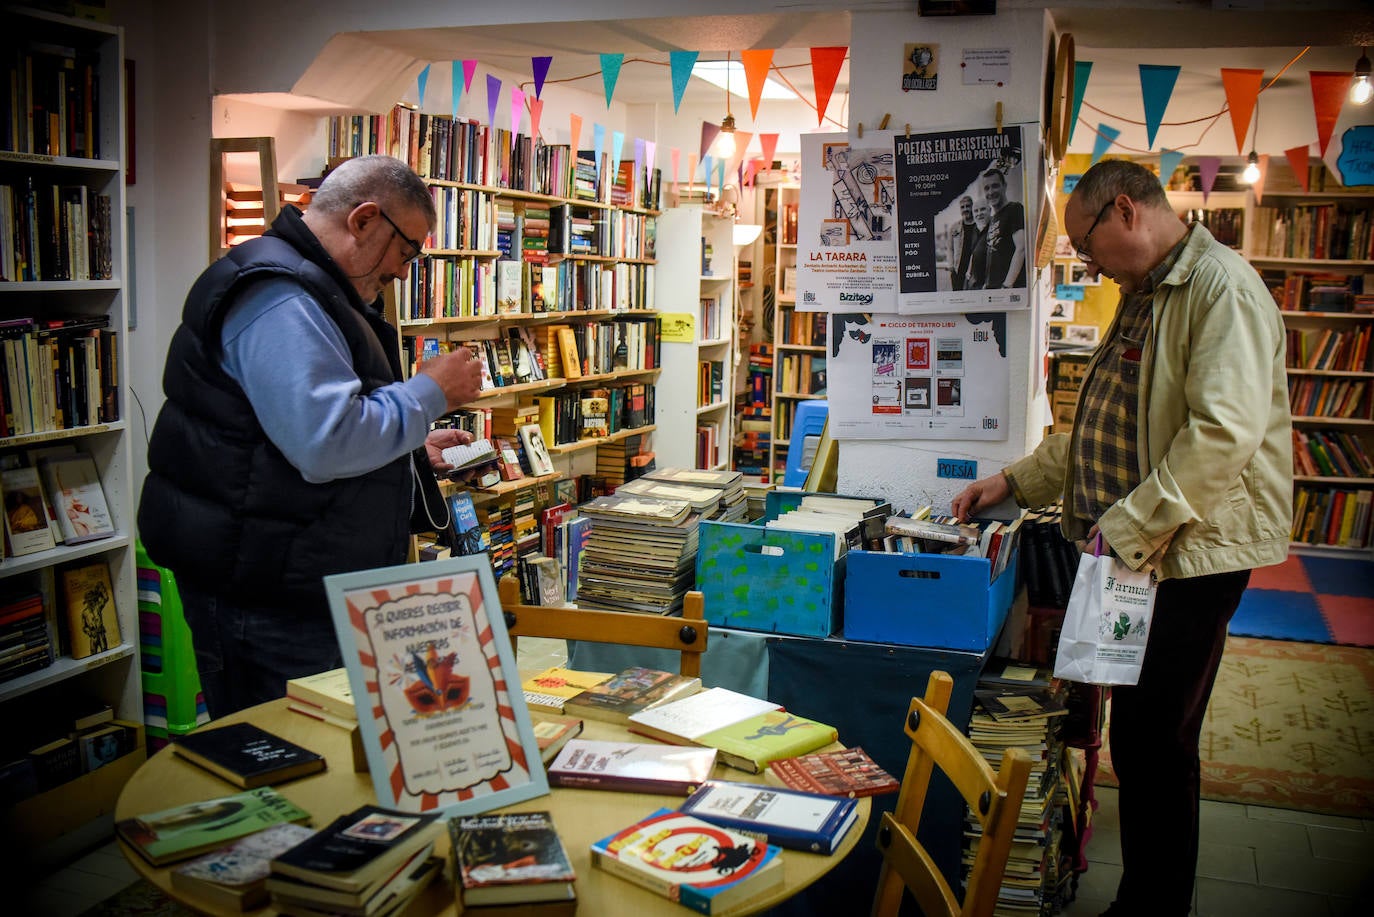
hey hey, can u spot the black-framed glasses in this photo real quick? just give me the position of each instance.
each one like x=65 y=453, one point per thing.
x=1082 y=249
x=417 y=249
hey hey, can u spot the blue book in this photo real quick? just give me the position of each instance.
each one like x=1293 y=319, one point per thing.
x=787 y=818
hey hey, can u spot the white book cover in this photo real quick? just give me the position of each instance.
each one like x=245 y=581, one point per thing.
x=73 y=485
x=691 y=717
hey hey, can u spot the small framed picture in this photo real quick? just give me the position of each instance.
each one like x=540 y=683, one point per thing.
x=1078 y=275
x=440 y=710
x=1085 y=335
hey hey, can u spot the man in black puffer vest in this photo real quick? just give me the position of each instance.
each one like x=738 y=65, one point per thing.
x=289 y=448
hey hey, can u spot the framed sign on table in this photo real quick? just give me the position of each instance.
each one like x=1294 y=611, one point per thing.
x=440 y=708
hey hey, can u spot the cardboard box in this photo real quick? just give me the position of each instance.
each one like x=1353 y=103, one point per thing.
x=936 y=600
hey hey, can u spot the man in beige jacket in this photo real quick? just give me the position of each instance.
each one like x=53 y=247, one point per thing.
x=1180 y=457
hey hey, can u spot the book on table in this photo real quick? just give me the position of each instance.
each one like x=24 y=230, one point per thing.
x=553 y=731
x=550 y=690
x=387 y=896
x=683 y=721
x=842 y=772
x=247 y=755
x=235 y=877
x=789 y=818
x=357 y=850
x=515 y=858
x=328 y=690
x=188 y=830
x=628 y=692
x=632 y=767
x=703 y=866
x=751 y=743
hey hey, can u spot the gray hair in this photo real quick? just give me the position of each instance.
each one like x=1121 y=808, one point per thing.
x=1113 y=177
x=384 y=179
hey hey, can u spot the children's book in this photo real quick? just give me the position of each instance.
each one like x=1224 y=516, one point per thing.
x=788 y=818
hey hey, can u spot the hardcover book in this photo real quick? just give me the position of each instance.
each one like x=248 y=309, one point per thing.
x=684 y=721
x=356 y=850
x=73 y=485
x=632 y=767
x=247 y=755
x=329 y=690
x=553 y=731
x=695 y=863
x=631 y=691
x=235 y=877
x=753 y=742
x=788 y=818
x=843 y=772
x=552 y=688
x=515 y=858
x=191 y=829
x=386 y=895
x=88 y=598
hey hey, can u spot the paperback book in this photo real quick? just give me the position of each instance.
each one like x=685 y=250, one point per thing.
x=329 y=690
x=73 y=485
x=750 y=744
x=235 y=877
x=632 y=767
x=516 y=858
x=384 y=897
x=550 y=690
x=695 y=863
x=553 y=731
x=629 y=692
x=788 y=818
x=92 y=620
x=843 y=772
x=356 y=850
x=194 y=828
x=683 y=722
x=247 y=755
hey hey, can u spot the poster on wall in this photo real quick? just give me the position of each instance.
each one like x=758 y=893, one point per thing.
x=846 y=239
x=963 y=238
x=933 y=376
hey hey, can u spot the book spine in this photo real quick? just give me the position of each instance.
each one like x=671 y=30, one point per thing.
x=623 y=784
x=617 y=867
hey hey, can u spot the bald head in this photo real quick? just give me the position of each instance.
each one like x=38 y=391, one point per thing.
x=1120 y=219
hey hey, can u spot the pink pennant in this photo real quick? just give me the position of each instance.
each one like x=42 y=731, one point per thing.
x=750 y=170
x=469 y=71
x=536 y=112
x=1207 y=169
x=517 y=109
x=650 y=160
x=769 y=143
x=742 y=139
x=691 y=168
x=676 y=155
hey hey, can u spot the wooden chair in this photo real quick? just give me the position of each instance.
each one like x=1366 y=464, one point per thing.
x=686 y=634
x=993 y=797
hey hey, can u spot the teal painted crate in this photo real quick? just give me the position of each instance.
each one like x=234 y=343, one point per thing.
x=770 y=580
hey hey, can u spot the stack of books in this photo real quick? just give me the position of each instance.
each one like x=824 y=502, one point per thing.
x=503 y=862
x=641 y=554
x=370 y=861
x=732 y=504
x=326 y=696
x=25 y=643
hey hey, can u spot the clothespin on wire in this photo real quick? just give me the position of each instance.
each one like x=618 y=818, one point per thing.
x=999 y=116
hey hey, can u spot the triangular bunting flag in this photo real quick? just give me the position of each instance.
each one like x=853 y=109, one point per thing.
x=1264 y=173
x=1207 y=169
x=681 y=63
x=1328 y=93
x=517 y=109
x=1297 y=160
x=457 y=75
x=469 y=71
x=750 y=171
x=1106 y=136
x=610 y=73
x=1242 y=88
x=675 y=156
x=825 y=69
x=493 y=96
x=1156 y=86
x=536 y=112
x=1081 y=70
x=691 y=169
x=575 y=132
x=423 y=80
x=708 y=136
x=742 y=139
x=720 y=180
x=769 y=143
x=1168 y=162
x=708 y=164
x=599 y=146
x=639 y=155
x=756 y=64
x=650 y=155
x=540 y=66
x=617 y=145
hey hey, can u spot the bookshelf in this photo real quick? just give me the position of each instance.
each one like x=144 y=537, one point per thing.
x=1315 y=251
x=64 y=264
x=697 y=281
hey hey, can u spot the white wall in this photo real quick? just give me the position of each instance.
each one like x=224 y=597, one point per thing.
x=904 y=471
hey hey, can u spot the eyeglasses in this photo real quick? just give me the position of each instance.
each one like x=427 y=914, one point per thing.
x=417 y=249
x=1082 y=250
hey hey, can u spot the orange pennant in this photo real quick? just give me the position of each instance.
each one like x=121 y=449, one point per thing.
x=1328 y=94
x=1242 y=90
x=769 y=144
x=825 y=69
x=1297 y=158
x=756 y=64
x=1258 y=186
x=742 y=139
x=575 y=130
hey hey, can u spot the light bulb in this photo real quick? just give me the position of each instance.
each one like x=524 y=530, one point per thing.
x=1361 y=91
x=1252 y=172
x=725 y=140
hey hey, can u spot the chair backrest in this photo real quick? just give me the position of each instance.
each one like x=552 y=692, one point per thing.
x=686 y=634
x=994 y=798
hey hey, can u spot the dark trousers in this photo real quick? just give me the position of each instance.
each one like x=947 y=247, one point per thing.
x=1154 y=741
x=246 y=652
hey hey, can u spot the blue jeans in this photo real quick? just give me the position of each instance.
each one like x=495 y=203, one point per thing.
x=246 y=652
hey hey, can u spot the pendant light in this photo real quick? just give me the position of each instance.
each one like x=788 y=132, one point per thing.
x=1252 y=170
x=1361 y=90
x=725 y=140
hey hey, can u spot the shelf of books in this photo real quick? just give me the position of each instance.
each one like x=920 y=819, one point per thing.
x=799 y=338
x=1315 y=251
x=69 y=623
x=543 y=264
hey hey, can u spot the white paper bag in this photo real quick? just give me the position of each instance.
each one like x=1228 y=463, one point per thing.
x=1106 y=624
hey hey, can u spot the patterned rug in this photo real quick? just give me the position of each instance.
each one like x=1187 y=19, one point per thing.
x=1290 y=725
x=1314 y=599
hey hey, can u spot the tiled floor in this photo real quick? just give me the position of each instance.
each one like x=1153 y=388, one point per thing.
x=1253 y=861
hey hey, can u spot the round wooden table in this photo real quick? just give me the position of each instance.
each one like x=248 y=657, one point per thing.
x=581 y=816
